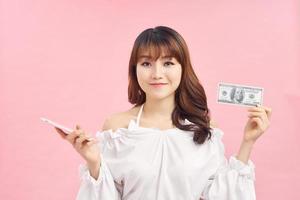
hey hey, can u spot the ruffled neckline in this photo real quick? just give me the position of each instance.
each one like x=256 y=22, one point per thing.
x=133 y=128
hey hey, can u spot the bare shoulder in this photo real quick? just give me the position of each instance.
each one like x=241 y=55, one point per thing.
x=122 y=119
x=119 y=119
x=213 y=124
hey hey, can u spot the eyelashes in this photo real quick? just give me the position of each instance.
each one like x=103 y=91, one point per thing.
x=146 y=64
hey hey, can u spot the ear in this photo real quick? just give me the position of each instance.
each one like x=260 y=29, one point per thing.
x=213 y=124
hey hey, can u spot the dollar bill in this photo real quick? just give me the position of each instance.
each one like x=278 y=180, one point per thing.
x=236 y=94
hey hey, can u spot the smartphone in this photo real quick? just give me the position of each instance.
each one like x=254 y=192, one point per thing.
x=63 y=128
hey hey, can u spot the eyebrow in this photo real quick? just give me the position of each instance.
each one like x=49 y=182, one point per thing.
x=163 y=57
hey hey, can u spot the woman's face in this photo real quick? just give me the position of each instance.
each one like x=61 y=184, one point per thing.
x=165 y=70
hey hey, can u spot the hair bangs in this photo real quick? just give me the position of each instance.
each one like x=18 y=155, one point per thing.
x=154 y=48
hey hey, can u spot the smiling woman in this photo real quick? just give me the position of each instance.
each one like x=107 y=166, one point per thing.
x=165 y=146
x=161 y=55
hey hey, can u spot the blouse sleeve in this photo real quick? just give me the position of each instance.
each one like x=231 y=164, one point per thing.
x=233 y=180
x=104 y=187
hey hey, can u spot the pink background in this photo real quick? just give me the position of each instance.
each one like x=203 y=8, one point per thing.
x=68 y=60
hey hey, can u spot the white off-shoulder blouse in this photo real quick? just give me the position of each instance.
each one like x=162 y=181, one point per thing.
x=139 y=163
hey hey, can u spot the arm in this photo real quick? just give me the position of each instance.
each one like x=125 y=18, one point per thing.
x=245 y=151
x=258 y=123
x=235 y=180
x=94 y=169
x=101 y=188
x=97 y=182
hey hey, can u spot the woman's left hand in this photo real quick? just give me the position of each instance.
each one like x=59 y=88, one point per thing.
x=258 y=123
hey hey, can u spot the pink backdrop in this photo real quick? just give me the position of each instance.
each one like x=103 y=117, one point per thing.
x=68 y=61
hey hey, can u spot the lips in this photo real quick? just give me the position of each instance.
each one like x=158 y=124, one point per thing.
x=158 y=83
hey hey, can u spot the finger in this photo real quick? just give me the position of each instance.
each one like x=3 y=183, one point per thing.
x=61 y=133
x=267 y=110
x=88 y=137
x=256 y=114
x=81 y=132
x=72 y=136
x=78 y=127
x=257 y=109
x=82 y=137
x=78 y=141
x=261 y=115
x=82 y=141
x=262 y=124
x=94 y=141
x=258 y=121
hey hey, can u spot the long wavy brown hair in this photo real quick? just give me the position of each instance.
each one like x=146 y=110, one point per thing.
x=190 y=97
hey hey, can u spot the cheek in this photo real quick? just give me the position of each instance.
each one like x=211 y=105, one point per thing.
x=139 y=73
x=142 y=76
x=175 y=76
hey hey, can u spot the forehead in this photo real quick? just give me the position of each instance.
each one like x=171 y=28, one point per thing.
x=154 y=52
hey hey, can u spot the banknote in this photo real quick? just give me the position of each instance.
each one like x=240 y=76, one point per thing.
x=237 y=94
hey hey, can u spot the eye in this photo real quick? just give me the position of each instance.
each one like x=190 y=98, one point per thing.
x=145 y=64
x=168 y=63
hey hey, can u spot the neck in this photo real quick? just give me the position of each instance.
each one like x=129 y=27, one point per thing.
x=160 y=109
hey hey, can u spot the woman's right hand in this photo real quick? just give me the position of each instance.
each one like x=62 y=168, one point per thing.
x=84 y=144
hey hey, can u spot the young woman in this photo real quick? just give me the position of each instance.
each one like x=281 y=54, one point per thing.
x=165 y=147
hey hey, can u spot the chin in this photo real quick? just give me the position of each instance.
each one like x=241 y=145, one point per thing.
x=158 y=95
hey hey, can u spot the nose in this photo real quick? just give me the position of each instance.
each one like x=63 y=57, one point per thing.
x=157 y=72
